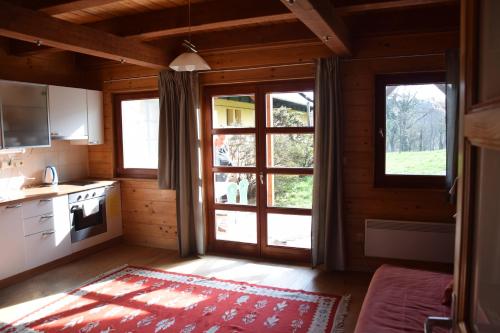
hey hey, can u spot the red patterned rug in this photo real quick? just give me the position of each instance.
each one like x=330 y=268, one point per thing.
x=135 y=299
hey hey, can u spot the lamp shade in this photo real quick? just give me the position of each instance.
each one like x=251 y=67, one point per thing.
x=188 y=62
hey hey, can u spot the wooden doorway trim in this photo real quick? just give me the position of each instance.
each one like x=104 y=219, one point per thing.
x=479 y=127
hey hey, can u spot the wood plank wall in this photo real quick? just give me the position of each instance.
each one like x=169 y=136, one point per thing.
x=149 y=213
x=56 y=68
x=361 y=199
x=149 y=216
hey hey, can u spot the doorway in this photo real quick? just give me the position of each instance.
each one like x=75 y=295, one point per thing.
x=258 y=167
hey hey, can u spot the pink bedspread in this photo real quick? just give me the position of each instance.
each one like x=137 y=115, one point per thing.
x=400 y=299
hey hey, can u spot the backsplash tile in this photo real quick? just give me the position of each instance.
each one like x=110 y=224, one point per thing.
x=70 y=160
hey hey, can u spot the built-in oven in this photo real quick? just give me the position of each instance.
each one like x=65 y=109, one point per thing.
x=87 y=211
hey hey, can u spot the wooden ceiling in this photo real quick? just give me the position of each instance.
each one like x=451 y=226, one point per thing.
x=149 y=32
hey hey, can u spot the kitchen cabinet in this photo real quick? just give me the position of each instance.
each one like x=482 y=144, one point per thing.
x=95 y=117
x=47 y=229
x=114 y=211
x=12 y=255
x=24 y=115
x=68 y=113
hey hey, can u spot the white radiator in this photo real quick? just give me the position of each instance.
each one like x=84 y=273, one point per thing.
x=423 y=241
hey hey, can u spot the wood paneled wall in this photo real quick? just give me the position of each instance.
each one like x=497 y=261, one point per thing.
x=361 y=199
x=50 y=68
x=391 y=54
x=149 y=213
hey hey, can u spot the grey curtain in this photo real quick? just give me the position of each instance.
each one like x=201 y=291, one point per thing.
x=178 y=147
x=327 y=223
x=452 y=85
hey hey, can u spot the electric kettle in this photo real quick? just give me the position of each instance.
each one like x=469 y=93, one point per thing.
x=50 y=177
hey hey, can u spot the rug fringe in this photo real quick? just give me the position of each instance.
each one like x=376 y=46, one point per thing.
x=342 y=310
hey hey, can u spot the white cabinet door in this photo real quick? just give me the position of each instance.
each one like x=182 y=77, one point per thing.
x=62 y=225
x=68 y=112
x=95 y=117
x=11 y=240
x=114 y=211
x=52 y=243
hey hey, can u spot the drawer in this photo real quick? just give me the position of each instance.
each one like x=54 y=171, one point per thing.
x=36 y=224
x=43 y=247
x=37 y=207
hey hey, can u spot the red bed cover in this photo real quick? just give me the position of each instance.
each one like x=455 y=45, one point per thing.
x=400 y=299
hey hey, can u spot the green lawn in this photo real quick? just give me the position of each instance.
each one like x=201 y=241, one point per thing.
x=293 y=191
x=296 y=191
x=416 y=163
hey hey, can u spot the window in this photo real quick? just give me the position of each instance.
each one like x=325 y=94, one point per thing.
x=136 y=119
x=410 y=132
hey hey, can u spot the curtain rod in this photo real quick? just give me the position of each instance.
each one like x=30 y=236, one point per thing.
x=214 y=71
x=395 y=57
x=288 y=65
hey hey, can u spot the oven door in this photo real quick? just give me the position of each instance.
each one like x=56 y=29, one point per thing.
x=88 y=218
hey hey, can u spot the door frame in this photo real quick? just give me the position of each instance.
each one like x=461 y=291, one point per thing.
x=478 y=128
x=261 y=249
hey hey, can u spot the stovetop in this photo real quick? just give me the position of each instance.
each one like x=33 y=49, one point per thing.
x=79 y=182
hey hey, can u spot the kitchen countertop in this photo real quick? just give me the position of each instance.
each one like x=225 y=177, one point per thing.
x=44 y=191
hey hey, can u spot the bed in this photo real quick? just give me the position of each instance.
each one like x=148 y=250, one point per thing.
x=400 y=299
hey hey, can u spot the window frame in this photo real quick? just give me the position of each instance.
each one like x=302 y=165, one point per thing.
x=120 y=170
x=381 y=179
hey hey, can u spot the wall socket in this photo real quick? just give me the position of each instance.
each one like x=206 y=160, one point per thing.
x=11 y=163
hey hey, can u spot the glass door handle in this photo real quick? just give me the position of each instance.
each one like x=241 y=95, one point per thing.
x=261 y=177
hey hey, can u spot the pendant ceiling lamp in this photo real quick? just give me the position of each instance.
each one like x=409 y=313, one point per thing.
x=189 y=61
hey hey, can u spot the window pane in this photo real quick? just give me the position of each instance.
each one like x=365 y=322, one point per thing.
x=290 y=109
x=236 y=226
x=234 y=150
x=235 y=188
x=290 y=150
x=289 y=191
x=416 y=130
x=140 y=133
x=289 y=230
x=233 y=111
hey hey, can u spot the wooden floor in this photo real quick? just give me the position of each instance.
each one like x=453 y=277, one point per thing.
x=24 y=297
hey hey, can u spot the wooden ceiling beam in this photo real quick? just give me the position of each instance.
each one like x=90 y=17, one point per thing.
x=320 y=17
x=28 y=25
x=249 y=37
x=55 y=7
x=205 y=16
x=389 y=5
x=225 y=39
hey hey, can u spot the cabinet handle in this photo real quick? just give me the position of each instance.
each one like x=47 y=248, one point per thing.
x=47 y=233
x=54 y=133
x=14 y=206
x=45 y=200
x=45 y=217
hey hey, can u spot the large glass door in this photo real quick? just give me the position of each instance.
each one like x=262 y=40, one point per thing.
x=258 y=168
